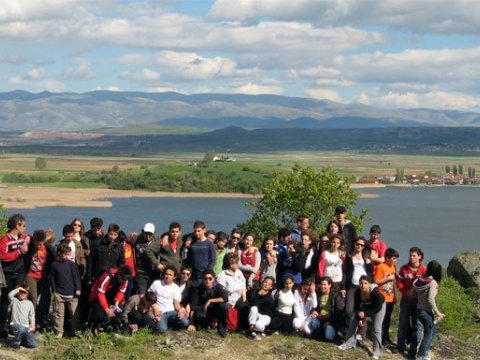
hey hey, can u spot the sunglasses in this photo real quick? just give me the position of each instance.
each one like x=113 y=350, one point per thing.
x=207 y=278
x=186 y=273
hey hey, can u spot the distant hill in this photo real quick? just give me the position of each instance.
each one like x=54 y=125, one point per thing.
x=24 y=111
x=400 y=140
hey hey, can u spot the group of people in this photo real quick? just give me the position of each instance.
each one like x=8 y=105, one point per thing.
x=330 y=286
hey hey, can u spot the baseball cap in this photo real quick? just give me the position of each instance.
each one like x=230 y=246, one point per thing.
x=149 y=228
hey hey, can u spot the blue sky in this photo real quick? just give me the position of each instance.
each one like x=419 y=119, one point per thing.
x=390 y=53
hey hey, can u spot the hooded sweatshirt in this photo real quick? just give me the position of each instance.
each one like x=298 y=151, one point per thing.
x=425 y=290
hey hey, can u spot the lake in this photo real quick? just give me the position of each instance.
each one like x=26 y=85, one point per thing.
x=442 y=221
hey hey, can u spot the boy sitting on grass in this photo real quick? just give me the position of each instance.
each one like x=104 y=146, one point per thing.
x=22 y=320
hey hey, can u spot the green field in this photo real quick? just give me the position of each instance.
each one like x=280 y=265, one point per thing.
x=248 y=173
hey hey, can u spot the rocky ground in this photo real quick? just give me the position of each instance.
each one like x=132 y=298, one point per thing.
x=207 y=344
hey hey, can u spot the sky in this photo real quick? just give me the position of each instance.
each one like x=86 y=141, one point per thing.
x=386 y=53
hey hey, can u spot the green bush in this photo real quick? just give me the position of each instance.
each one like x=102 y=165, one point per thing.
x=457 y=303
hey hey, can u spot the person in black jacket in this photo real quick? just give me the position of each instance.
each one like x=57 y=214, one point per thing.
x=105 y=254
x=347 y=229
x=261 y=310
x=38 y=261
x=209 y=303
x=368 y=303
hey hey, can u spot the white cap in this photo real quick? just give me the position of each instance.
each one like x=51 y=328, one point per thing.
x=149 y=228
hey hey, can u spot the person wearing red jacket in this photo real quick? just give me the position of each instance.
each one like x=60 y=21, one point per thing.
x=407 y=325
x=13 y=247
x=106 y=295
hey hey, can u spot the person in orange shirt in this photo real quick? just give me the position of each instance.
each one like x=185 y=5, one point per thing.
x=385 y=277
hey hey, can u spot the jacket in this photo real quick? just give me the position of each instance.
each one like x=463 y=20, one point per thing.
x=79 y=257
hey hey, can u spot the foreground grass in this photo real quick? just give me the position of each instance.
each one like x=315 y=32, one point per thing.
x=208 y=345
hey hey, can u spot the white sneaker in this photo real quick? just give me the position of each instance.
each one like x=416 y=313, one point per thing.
x=344 y=347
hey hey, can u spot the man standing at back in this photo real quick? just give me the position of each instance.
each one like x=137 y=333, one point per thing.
x=346 y=227
x=201 y=255
x=161 y=253
x=144 y=268
x=13 y=247
x=303 y=224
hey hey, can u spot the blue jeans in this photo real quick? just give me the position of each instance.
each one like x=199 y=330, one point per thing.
x=23 y=336
x=170 y=317
x=408 y=310
x=425 y=318
x=322 y=329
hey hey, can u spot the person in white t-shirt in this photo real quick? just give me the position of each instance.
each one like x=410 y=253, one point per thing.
x=168 y=310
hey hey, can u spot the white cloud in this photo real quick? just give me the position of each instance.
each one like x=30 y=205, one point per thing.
x=435 y=16
x=14 y=10
x=35 y=73
x=256 y=89
x=82 y=71
x=447 y=66
x=143 y=75
x=15 y=80
x=191 y=66
x=110 y=88
x=324 y=94
x=50 y=85
x=409 y=100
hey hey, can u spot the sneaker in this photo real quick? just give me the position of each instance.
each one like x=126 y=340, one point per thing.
x=344 y=347
x=376 y=357
x=252 y=335
x=257 y=338
x=58 y=335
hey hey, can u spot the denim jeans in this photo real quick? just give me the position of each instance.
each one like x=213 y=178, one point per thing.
x=425 y=318
x=322 y=329
x=23 y=336
x=170 y=317
x=408 y=311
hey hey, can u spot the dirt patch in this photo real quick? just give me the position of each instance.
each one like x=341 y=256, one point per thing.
x=33 y=197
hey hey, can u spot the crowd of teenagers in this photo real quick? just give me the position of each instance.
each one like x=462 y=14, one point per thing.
x=330 y=287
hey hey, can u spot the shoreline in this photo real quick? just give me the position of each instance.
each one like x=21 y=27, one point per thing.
x=18 y=197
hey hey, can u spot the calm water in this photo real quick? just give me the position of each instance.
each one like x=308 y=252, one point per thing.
x=442 y=221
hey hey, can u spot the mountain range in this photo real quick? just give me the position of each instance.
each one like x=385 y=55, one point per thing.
x=91 y=111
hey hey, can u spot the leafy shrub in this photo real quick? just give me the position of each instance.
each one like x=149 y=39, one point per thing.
x=457 y=303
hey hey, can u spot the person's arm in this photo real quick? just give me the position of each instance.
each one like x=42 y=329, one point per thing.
x=151 y=252
x=432 y=293
x=77 y=282
x=212 y=256
x=81 y=260
x=121 y=255
x=13 y=293
x=31 y=318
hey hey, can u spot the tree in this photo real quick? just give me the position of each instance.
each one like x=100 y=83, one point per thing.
x=208 y=156
x=301 y=191
x=3 y=221
x=460 y=169
x=399 y=175
x=40 y=163
x=473 y=172
x=447 y=169
x=455 y=170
